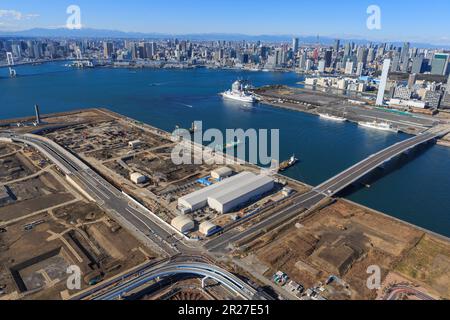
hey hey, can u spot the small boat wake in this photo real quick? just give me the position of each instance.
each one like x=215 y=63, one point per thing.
x=158 y=84
x=186 y=105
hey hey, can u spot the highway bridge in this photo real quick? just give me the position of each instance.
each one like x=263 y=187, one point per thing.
x=359 y=170
x=327 y=189
x=170 y=268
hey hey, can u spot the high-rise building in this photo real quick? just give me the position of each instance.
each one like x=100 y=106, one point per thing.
x=337 y=45
x=308 y=65
x=380 y=51
x=439 y=64
x=412 y=80
x=148 y=48
x=302 y=61
x=362 y=55
x=433 y=99
x=321 y=66
x=383 y=82
x=328 y=58
x=418 y=65
x=371 y=55
x=360 y=69
x=349 y=67
x=108 y=48
x=348 y=49
x=395 y=63
x=295 y=45
x=405 y=52
x=278 y=57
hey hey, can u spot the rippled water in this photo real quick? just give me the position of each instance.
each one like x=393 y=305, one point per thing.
x=415 y=188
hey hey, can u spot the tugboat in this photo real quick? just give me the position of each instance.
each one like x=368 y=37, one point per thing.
x=289 y=163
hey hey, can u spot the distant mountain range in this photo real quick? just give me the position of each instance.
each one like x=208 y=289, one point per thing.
x=115 y=34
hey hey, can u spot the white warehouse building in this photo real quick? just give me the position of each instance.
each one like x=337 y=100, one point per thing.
x=234 y=195
x=229 y=193
x=199 y=199
x=221 y=173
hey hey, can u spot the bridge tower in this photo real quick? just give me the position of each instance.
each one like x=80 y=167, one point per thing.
x=10 y=60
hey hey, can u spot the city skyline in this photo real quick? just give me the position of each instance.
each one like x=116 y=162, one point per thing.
x=302 y=18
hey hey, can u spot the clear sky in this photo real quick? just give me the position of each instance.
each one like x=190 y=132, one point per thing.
x=413 y=20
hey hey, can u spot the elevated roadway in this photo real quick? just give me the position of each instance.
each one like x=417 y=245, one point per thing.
x=327 y=189
x=349 y=176
x=166 y=269
x=109 y=198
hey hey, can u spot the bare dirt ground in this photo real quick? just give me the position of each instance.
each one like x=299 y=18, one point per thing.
x=344 y=239
x=429 y=263
x=33 y=195
x=33 y=263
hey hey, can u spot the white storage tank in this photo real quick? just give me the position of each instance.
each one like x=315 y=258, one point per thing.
x=221 y=173
x=138 y=178
x=135 y=144
x=207 y=228
x=184 y=224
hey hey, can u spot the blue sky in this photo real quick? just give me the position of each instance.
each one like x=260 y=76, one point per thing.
x=414 y=20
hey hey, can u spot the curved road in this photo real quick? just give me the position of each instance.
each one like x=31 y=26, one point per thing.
x=171 y=268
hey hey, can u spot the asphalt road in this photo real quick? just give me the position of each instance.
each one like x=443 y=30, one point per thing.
x=172 y=268
x=327 y=189
x=111 y=199
x=304 y=202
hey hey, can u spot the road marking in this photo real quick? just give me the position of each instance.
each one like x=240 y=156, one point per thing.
x=145 y=224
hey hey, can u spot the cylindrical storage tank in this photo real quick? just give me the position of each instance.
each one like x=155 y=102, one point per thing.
x=183 y=224
x=206 y=228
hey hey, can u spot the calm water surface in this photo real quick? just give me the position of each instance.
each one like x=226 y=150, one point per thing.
x=417 y=190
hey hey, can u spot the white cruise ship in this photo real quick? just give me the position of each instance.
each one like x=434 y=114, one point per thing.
x=331 y=117
x=238 y=92
x=383 y=126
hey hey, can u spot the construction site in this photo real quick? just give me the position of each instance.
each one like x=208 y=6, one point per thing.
x=330 y=251
x=137 y=159
x=46 y=226
x=249 y=223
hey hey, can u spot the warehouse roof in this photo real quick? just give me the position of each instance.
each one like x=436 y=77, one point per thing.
x=203 y=194
x=236 y=191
